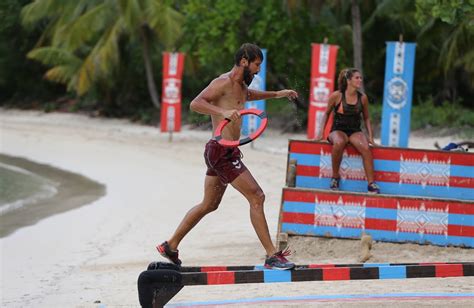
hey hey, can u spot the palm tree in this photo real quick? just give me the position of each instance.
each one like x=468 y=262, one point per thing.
x=90 y=31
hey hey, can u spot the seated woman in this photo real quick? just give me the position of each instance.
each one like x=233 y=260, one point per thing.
x=348 y=103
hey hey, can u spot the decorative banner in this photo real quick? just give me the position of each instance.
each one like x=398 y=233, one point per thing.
x=397 y=95
x=173 y=64
x=323 y=71
x=251 y=123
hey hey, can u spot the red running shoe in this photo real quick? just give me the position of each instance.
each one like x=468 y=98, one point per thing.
x=278 y=261
x=172 y=255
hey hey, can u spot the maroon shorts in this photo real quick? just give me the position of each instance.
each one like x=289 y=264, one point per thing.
x=223 y=162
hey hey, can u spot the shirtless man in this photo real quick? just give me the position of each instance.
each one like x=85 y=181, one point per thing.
x=221 y=99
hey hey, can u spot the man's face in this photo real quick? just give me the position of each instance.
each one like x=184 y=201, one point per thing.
x=250 y=71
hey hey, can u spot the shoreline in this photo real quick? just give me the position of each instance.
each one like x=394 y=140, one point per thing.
x=73 y=191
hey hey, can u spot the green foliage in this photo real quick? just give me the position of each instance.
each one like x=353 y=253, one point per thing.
x=449 y=11
x=426 y=114
x=95 y=50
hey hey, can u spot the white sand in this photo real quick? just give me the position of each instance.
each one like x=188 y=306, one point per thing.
x=96 y=252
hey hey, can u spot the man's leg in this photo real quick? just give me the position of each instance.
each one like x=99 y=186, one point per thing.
x=213 y=192
x=248 y=186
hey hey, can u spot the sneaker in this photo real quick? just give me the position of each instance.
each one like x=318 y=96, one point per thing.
x=334 y=183
x=373 y=188
x=278 y=261
x=165 y=250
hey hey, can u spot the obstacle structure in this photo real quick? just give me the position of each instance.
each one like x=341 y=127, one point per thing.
x=161 y=281
x=427 y=197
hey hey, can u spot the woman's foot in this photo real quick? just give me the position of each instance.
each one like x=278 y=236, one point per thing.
x=334 y=183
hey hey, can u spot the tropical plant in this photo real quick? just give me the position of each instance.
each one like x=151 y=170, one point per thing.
x=82 y=38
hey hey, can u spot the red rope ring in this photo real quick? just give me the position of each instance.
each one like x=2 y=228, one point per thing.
x=235 y=143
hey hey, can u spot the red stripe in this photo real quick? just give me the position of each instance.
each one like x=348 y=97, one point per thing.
x=342 y=273
x=455 y=207
x=220 y=278
x=449 y=270
x=458 y=181
x=381 y=202
x=461 y=208
x=455 y=158
x=298 y=218
x=303 y=170
x=380 y=224
x=205 y=269
x=457 y=230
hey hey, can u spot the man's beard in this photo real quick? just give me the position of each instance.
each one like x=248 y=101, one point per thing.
x=248 y=77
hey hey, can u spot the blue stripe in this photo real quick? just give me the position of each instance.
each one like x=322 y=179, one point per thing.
x=276 y=276
x=321 y=230
x=298 y=207
x=390 y=188
x=387 y=165
x=461 y=219
x=462 y=171
x=381 y=165
x=392 y=272
x=379 y=235
x=376 y=264
x=319 y=297
x=375 y=213
x=305 y=159
x=378 y=213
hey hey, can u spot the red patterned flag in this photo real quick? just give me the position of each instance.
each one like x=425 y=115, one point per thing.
x=323 y=71
x=173 y=64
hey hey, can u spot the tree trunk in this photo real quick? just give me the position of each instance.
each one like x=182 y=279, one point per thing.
x=356 y=35
x=149 y=69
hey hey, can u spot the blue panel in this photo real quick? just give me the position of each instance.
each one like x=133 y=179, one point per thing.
x=379 y=213
x=398 y=92
x=390 y=188
x=276 y=276
x=298 y=207
x=392 y=272
x=375 y=264
x=320 y=230
x=462 y=171
x=306 y=159
x=460 y=219
x=386 y=165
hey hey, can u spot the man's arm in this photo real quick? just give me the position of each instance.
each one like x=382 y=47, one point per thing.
x=203 y=102
x=255 y=95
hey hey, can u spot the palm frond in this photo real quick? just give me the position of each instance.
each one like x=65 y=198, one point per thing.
x=53 y=56
x=166 y=22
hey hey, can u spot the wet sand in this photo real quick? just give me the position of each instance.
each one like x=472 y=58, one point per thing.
x=74 y=190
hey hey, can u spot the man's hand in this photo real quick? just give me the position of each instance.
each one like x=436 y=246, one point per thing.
x=287 y=93
x=231 y=115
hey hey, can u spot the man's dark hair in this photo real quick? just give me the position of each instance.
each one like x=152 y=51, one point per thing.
x=248 y=51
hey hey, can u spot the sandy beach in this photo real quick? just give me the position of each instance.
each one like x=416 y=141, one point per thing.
x=91 y=255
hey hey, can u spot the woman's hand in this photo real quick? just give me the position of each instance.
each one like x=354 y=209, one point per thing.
x=372 y=143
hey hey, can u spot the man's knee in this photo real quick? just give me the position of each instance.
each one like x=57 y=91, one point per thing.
x=257 y=199
x=210 y=206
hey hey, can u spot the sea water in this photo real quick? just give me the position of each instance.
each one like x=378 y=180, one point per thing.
x=20 y=187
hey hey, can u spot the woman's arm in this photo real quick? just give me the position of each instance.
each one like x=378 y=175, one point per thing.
x=329 y=108
x=365 y=112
